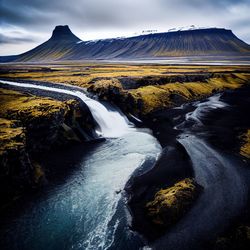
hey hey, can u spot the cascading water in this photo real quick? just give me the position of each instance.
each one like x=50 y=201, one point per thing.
x=83 y=211
x=201 y=109
x=111 y=122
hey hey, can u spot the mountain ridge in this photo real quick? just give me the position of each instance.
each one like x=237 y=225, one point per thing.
x=64 y=45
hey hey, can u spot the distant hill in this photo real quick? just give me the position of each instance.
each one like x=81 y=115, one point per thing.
x=64 y=45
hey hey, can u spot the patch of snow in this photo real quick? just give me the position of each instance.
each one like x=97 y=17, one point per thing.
x=190 y=27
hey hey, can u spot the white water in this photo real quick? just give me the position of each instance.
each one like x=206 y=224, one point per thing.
x=201 y=109
x=80 y=213
x=112 y=122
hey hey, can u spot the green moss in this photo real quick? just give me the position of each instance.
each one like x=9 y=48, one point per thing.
x=245 y=148
x=11 y=136
x=171 y=203
x=15 y=105
x=159 y=96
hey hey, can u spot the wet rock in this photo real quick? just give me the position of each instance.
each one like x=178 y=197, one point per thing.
x=172 y=166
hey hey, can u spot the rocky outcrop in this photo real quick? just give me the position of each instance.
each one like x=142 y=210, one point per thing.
x=172 y=166
x=171 y=203
x=31 y=125
x=142 y=96
x=16 y=169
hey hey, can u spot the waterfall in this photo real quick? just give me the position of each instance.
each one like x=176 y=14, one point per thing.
x=112 y=122
x=86 y=210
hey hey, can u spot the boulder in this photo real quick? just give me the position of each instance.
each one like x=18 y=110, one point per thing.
x=173 y=202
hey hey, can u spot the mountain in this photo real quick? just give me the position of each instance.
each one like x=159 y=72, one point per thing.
x=64 y=45
x=58 y=46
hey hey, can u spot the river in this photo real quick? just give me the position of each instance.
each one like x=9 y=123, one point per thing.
x=82 y=212
x=87 y=210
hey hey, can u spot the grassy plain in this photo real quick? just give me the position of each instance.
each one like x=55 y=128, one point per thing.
x=80 y=74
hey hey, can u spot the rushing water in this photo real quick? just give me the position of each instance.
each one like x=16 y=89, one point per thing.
x=200 y=111
x=84 y=211
x=81 y=212
x=111 y=121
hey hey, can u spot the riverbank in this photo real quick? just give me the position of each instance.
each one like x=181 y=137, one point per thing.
x=220 y=124
x=31 y=126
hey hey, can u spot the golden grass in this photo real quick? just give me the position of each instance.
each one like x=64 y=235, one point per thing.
x=245 y=148
x=17 y=109
x=11 y=136
x=80 y=74
x=159 y=96
x=14 y=105
x=152 y=97
x=168 y=204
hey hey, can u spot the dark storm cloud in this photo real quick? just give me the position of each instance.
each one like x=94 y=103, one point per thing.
x=93 y=16
x=9 y=39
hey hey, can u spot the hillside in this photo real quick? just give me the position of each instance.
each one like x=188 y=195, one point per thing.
x=64 y=45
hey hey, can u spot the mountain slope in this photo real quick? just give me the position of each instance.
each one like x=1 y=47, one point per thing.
x=180 y=43
x=60 y=43
x=64 y=45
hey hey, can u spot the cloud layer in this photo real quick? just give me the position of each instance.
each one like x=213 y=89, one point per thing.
x=26 y=23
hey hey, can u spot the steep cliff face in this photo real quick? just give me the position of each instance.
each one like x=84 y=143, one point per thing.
x=29 y=126
x=16 y=169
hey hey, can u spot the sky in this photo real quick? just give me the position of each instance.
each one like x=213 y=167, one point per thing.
x=25 y=24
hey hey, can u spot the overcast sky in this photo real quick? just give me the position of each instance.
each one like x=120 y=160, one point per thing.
x=26 y=23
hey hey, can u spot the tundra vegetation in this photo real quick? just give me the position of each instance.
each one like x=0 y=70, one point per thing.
x=137 y=89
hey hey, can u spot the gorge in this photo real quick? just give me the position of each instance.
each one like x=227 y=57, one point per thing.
x=87 y=209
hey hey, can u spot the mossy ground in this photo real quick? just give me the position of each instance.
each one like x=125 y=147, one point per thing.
x=80 y=74
x=11 y=135
x=153 y=96
x=17 y=110
x=157 y=95
x=17 y=105
x=171 y=203
x=245 y=148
